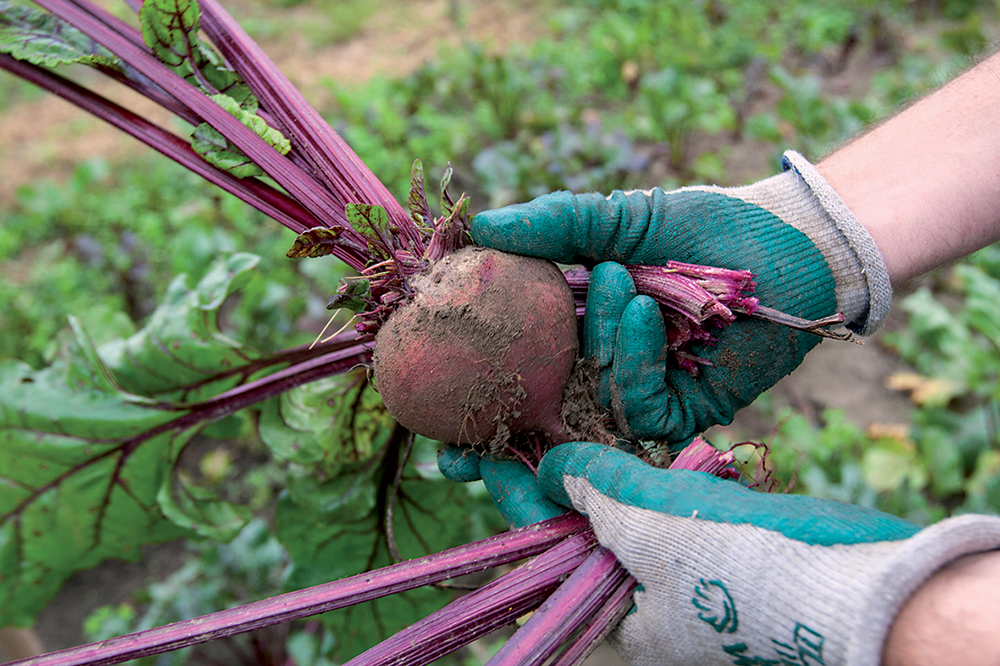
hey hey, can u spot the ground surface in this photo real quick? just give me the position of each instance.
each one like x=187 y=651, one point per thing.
x=47 y=137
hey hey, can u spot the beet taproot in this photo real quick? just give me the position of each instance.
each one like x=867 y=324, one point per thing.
x=485 y=347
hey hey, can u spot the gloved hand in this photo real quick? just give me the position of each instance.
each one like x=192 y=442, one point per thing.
x=732 y=576
x=811 y=257
x=512 y=486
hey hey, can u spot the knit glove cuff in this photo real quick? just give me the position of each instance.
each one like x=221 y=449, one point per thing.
x=801 y=197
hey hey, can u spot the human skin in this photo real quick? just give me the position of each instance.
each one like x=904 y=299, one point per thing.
x=952 y=619
x=926 y=183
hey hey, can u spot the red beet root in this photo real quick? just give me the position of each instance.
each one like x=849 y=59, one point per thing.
x=486 y=346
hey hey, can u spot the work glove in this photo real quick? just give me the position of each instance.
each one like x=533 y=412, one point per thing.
x=810 y=255
x=729 y=575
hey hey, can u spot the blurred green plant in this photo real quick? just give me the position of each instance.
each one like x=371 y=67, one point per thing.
x=104 y=246
x=676 y=104
x=667 y=75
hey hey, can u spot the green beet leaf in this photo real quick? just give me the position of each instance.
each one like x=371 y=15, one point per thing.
x=45 y=40
x=372 y=222
x=254 y=122
x=315 y=242
x=81 y=467
x=219 y=151
x=420 y=210
x=181 y=354
x=170 y=29
x=354 y=295
x=89 y=444
x=200 y=510
x=328 y=424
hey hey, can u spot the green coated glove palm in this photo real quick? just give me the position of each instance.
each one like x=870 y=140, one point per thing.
x=811 y=258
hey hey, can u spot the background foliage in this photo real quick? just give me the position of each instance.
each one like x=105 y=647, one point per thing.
x=612 y=93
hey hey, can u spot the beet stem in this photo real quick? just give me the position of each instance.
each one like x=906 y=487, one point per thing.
x=600 y=625
x=575 y=603
x=579 y=281
x=513 y=450
x=481 y=612
x=470 y=558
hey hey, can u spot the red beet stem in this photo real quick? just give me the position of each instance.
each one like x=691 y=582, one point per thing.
x=680 y=292
x=481 y=612
x=700 y=456
x=470 y=558
x=567 y=611
x=599 y=626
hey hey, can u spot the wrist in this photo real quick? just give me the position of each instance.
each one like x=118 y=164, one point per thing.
x=925 y=182
x=951 y=619
x=903 y=579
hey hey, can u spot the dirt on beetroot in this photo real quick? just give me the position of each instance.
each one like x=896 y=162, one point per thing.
x=487 y=344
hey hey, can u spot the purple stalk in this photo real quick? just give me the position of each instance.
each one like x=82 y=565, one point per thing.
x=568 y=610
x=460 y=561
x=680 y=292
x=479 y=613
x=259 y=195
x=339 y=167
x=331 y=363
x=700 y=456
x=600 y=625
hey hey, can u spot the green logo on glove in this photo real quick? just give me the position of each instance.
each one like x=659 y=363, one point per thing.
x=715 y=606
x=717 y=609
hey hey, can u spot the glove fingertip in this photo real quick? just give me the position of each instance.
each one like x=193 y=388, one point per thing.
x=459 y=464
x=643 y=313
x=516 y=493
x=611 y=289
x=543 y=227
x=641 y=348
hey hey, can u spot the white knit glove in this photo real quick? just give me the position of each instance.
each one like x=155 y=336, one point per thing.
x=733 y=576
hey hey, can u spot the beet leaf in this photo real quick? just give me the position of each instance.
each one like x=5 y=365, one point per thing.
x=90 y=444
x=43 y=39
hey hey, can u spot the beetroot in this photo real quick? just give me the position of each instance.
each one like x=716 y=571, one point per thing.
x=484 y=348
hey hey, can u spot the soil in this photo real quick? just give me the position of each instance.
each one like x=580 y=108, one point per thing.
x=48 y=137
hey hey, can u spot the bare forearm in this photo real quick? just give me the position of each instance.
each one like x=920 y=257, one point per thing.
x=952 y=620
x=926 y=184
